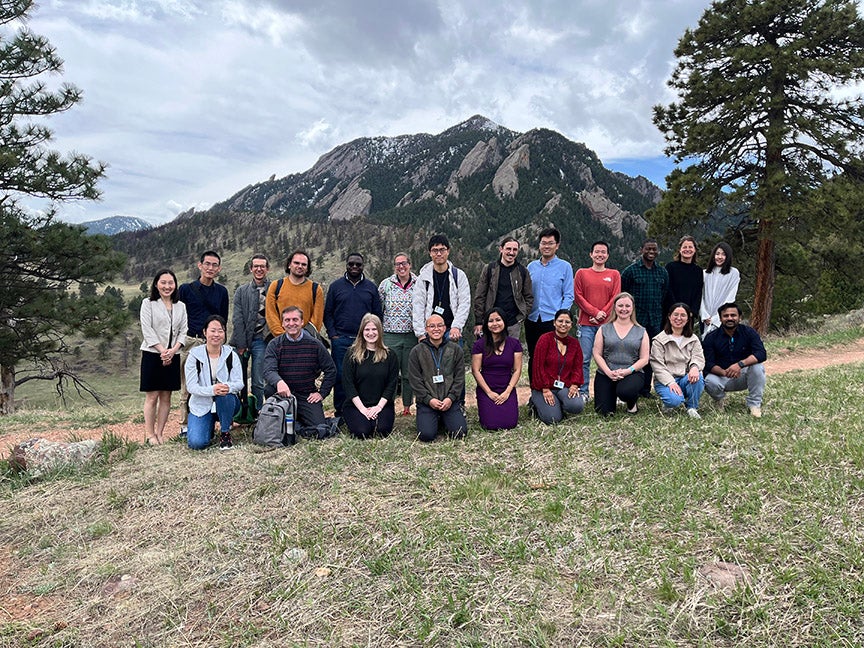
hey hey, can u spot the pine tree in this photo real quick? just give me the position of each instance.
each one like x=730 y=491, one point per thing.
x=42 y=259
x=763 y=113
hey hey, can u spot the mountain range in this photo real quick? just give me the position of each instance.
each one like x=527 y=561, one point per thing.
x=476 y=182
x=115 y=225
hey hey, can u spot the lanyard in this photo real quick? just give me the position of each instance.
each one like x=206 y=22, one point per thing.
x=438 y=286
x=563 y=357
x=437 y=360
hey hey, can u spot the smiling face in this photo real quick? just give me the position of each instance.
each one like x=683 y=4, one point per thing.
x=370 y=334
x=509 y=251
x=354 y=267
x=687 y=251
x=214 y=334
x=292 y=322
x=719 y=257
x=649 y=252
x=548 y=247
x=678 y=318
x=729 y=319
x=563 y=323
x=495 y=323
x=259 y=269
x=435 y=329
x=299 y=266
x=599 y=255
x=624 y=308
x=166 y=285
x=402 y=268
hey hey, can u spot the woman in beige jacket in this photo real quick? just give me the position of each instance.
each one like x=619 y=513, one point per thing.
x=677 y=361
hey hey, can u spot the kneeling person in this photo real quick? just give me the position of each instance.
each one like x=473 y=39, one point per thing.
x=437 y=374
x=292 y=363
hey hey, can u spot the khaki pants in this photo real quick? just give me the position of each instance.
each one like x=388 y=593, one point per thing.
x=191 y=343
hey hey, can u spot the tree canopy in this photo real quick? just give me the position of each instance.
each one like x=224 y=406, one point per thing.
x=767 y=112
x=42 y=260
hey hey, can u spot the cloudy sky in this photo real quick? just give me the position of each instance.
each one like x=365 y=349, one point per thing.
x=188 y=101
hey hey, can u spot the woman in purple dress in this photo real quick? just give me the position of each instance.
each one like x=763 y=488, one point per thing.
x=496 y=362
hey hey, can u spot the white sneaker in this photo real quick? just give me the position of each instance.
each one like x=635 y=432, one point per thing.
x=756 y=412
x=692 y=413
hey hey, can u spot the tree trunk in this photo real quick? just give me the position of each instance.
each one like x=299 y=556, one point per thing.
x=7 y=390
x=763 y=297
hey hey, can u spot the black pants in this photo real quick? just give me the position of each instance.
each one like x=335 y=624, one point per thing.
x=362 y=428
x=646 y=388
x=533 y=331
x=608 y=391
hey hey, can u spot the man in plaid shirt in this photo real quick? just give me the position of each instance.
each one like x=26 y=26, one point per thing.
x=648 y=283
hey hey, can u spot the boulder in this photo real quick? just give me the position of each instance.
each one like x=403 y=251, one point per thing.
x=38 y=456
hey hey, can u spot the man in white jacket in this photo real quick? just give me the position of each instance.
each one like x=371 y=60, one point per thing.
x=442 y=289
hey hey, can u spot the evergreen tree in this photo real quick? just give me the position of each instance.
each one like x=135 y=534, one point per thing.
x=41 y=259
x=763 y=114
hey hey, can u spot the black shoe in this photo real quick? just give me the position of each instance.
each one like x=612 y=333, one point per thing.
x=226 y=443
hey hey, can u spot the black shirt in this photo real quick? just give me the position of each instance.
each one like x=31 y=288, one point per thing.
x=504 y=297
x=441 y=287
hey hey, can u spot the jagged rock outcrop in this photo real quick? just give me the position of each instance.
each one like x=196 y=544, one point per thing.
x=506 y=182
x=551 y=204
x=354 y=201
x=608 y=212
x=344 y=162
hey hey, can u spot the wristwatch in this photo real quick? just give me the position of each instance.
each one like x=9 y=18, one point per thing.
x=741 y=364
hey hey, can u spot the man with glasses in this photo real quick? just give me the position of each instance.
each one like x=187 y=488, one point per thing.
x=734 y=360
x=249 y=328
x=442 y=289
x=397 y=294
x=552 y=282
x=437 y=373
x=349 y=298
x=295 y=289
x=506 y=284
x=203 y=298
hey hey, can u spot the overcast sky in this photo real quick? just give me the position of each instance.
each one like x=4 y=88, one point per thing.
x=189 y=101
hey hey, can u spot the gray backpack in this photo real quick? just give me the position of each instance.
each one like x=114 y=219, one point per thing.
x=275 y=426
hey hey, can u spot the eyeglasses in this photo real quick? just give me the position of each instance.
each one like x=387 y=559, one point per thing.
x=440 y=250
x=401 y=264
x=355 y=264
x=436 y=326
x=210 y=264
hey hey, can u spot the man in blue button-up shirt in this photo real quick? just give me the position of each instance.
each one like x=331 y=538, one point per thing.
x=552 y=282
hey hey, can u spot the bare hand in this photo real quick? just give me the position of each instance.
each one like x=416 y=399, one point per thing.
x=548 y=397
x=501 y=398
x=446 y=404
x=693 y=375
x=574 y=389
x=455 y=334
x=221 y=389
x=314 y=397
x=282 y=389
x=733 y=371
x=675 y=388
x=600 y=316
x=478 y=330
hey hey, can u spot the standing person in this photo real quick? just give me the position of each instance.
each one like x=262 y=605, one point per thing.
x=349 y=298
x=369 y=376
x=504 y=284
x=203 y=298
x=442 y=289
x=496 y=363
x=397 y=293
x=557 y=372
x=594 y=289
x=552 y=283
x=621 y=351
x=685 y=277
x=250 y=327
x=437 y=373
x=163 y=332
x=293 y=364
x=295 y=289
x=734 y=360
x=677 y=361
x=648 y=283
x=721 y=286
x=214 y=378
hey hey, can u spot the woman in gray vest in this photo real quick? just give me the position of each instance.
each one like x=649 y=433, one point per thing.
x=621 y=351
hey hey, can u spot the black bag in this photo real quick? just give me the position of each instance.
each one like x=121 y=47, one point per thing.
x=275 y=426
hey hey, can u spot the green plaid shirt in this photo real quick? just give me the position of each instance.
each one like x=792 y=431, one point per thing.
x=648 y=287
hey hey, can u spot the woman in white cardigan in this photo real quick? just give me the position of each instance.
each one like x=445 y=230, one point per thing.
x=720 y=286
x=163 y=328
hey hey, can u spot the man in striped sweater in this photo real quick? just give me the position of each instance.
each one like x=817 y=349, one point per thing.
x=292 y=363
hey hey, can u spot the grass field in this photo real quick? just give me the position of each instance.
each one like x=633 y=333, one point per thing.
x=593 y=533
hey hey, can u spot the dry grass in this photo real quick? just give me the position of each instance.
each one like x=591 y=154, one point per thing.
x=590 y=533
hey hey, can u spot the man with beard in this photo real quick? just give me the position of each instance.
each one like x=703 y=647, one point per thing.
x=505 y=284
x=734 y=360
x=349 y=298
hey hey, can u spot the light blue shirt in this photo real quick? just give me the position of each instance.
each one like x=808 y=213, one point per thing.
x=553 y=288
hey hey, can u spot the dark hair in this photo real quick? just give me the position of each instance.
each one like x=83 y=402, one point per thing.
x=438 y=239
x=291 y=258
x=488 y=338
x=688 y=327
x=350 y=254
x=259 y=256
x=596 y=243
x=506 y=240
x=728 y=305
x=563 y=311
x=647 y=241
x=210 y=253
x=216 y=318
x=549 y=231
x=727 y=264
x=681 y=241
x=154 y=291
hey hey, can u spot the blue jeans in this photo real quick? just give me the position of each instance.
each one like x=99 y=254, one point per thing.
x=692 y=392
x=256 y=375
x=587 y=333
x=201 y=428
x=338 y=348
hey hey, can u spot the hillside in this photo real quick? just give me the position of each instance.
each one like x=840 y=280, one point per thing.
x=476 y=181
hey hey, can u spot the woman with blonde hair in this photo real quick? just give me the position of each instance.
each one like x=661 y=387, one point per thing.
x=369 y=375
x=621 y=351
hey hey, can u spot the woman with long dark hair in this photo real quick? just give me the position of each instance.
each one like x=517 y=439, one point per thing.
x=720 y=286
x=163 y=329
x=556 y=373
x=496 y=363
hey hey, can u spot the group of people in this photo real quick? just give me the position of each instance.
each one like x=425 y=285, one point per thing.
x=407 y=334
